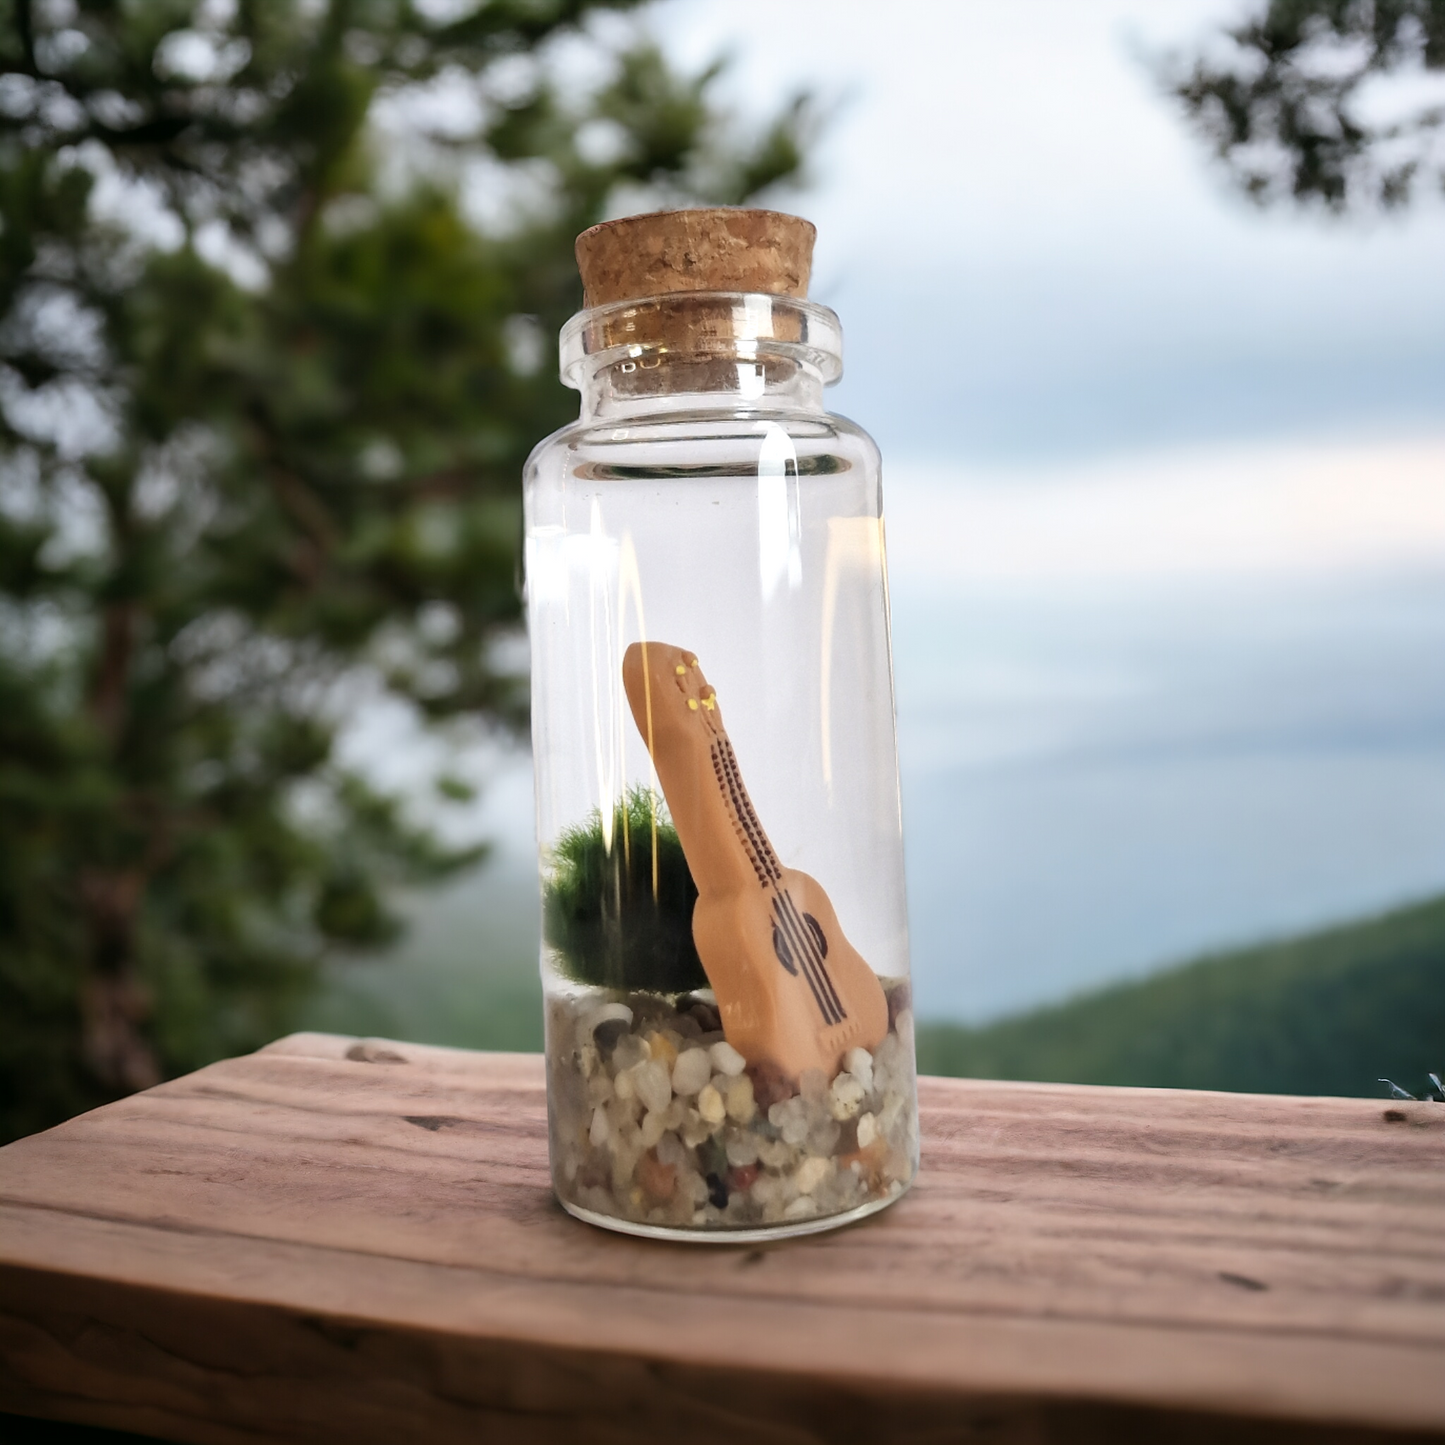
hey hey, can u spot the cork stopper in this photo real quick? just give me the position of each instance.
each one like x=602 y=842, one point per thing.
x=721 y=249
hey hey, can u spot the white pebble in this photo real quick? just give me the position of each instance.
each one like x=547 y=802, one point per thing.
x=622 y=1085
x=598 y=1132
x=710 y=1105
x=653 y=1085
x=742 y=1150
x=670 y=1150
x=628 y=1052
x=654 y=1126
x=773 y=1193
x=790 y=1119
x=845 y=1097
x=727 y=1060
x=811 y=1173
x=859 y=1063
x=867 y=1130
x=800 y=1208
x=741 y=1105
x=775 y=1154
x=691 y=1071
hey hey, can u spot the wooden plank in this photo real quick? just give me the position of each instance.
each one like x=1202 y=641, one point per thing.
x=332 y=1239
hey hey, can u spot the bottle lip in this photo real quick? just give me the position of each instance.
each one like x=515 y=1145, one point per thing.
x=718 y=325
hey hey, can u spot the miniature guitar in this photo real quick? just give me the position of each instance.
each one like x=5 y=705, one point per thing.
x=791 y=990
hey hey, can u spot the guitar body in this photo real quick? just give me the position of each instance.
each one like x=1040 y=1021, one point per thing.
x=791 y=990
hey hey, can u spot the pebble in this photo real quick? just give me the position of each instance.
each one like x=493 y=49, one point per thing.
x=727 y=1060
x=741 y=1106
x=710 y=1105
x=823 y=1136
x=618 y=1011
x=742 y=1150
x=670 y=1150
x=776 y=1154
x=691 y=1072
x=859 y=1063
x=790 y=1119
x=846 y=1096
x=656 y=1178
x=659 y=1120
x=607 y=1034
x=653 y=1084
x=811 y=1173
x=628 y=1052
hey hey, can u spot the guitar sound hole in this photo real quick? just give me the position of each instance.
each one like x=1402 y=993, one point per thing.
x=818 y=936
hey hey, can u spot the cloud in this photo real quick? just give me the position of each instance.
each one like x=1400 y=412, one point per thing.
x=1286 y=509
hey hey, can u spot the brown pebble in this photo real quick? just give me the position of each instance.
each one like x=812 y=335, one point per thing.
x=707 y=1017
x=770 y=1085
x=657 y=1178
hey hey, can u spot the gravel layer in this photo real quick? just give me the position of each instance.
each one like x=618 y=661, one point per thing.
x=657 y=1119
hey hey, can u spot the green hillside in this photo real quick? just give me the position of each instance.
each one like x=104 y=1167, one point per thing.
x=1328 y=1013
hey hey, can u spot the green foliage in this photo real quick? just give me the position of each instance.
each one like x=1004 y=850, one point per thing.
x=1281 y=101
x=265 y=395
x=1325 y=1014
x=617 y=907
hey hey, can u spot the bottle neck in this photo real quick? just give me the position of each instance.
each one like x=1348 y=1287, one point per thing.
x=679 y=384
x=701 y=351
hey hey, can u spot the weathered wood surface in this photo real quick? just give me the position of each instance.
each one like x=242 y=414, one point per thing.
x=329 y=1241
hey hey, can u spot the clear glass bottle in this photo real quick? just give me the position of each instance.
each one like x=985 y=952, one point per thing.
x=725 y=950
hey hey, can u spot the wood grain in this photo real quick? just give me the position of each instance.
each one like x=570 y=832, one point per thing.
x=335 y=1239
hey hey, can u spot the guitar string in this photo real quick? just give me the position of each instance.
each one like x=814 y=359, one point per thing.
x=817 y=954
x=780 y=927
x=812 y=961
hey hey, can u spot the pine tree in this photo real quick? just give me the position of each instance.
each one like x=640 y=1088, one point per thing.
x=266 y=386
x=1291 y=101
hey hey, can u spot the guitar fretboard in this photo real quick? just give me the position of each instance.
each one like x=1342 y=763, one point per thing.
x=745 y=821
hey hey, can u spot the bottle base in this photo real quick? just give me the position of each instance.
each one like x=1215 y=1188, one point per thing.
x=744 y=1234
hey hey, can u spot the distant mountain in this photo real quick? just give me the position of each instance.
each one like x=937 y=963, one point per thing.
x=1328 y=1013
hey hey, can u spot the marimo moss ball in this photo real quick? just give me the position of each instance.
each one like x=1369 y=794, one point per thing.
x=617 y=910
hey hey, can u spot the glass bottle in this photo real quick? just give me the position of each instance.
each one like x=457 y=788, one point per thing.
x=725 y=952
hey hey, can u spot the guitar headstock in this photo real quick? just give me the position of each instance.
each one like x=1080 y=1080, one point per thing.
x=668 y=683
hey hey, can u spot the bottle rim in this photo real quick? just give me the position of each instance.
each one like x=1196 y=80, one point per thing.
x=702 y=325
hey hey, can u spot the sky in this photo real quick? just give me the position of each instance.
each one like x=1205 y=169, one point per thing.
x=1032 y=255
x=1165 y=481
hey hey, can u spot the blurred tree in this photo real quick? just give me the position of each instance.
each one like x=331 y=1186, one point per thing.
x=265 y=392
x=1327 y=101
